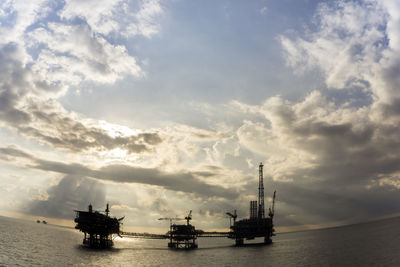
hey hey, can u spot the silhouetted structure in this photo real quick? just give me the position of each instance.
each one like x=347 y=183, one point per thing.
x=182 y=235
x=261 y=209
x=257 y=225
x=97 y=227
x=253 y=209
x=100 y=227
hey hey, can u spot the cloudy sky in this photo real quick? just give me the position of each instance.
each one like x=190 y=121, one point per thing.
x=164 y=106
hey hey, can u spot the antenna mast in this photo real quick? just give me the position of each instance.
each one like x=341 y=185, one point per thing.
x=261 y=210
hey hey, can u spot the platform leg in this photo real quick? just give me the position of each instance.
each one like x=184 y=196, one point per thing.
x=239 y=242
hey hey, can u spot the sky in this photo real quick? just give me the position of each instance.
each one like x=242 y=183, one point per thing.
x=159 y=107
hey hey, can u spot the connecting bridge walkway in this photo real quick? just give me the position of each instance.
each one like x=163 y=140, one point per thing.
x=166 y=236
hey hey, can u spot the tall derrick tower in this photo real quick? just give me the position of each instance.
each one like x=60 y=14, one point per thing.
x=261 y=210
x=258 y=225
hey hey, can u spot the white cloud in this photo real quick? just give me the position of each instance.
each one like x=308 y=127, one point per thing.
x=356 y=45
x=393 y=25
x=67 y=51
x=26 y=13
x=115 y=17
x=75 y=54
x=147 y=19
x=98 y=14
x=347 y=45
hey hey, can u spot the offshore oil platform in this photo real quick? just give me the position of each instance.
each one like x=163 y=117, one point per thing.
x=181 y=235
x=98 y=227
x=258 y=225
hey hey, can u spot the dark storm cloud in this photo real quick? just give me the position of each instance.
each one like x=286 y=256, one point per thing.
x=323 y=203
x=337 y=164
x=182 y=182
x=345 y=154
x=71 y=193
x=390 y=110
x=346 y=161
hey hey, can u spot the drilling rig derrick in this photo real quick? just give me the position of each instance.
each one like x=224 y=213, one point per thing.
x=257 y=225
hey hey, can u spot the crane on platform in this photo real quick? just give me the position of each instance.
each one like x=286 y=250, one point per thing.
x=232 y=216
x=272 y=208
x=188 y=217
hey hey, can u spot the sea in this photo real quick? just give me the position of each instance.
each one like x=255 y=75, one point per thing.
x=27 y=243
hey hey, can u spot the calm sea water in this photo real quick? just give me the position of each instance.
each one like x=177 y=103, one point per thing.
x=25 y=243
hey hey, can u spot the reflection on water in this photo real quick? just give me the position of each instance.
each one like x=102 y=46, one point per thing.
x=372 y=244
